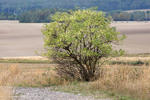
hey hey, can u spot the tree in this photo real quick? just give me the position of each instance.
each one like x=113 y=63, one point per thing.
x=77 y=41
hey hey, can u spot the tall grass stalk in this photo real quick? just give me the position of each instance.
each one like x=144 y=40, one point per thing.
x=125 y=80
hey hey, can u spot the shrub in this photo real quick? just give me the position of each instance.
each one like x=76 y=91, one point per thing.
x=78 y=40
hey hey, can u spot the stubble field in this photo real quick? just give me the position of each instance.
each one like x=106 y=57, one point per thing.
x=17 y=39
x=23 y=39
x=138 y=36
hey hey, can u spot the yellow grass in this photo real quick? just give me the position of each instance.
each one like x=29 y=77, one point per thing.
x=5 y=93
x=7 y=78
x=126 y=80
x=13 y=75
x=130 y=58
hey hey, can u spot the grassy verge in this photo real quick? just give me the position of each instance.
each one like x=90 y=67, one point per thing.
x=130 y=63
x=119 y=81
x=85 y=89
x=25 y=61
x=138 y=55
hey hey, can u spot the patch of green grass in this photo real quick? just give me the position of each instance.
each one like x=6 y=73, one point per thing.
x=84 y=89
x=137 y=55
x=124 y=98
x=80 y=88
x=25 y=61
x=133 y=63
x=116 y=96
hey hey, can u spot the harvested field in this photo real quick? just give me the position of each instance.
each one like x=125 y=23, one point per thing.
x=18 y=39
x=138 y=36
x=23 y=39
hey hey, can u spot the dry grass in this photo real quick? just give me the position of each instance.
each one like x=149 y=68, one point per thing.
x=125 y=80
x=130 y=58
x=5 y=93
x=7 y=78
x=13 y=75
x=39 y=78
x=120 y=82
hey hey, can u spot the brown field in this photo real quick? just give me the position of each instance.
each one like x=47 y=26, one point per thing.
x=23 y=39
x=138 y=36
x=20 y=39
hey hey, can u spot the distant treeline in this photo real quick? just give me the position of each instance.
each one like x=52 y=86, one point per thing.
x=41 y=10
x=32 y=16
x=18 y=6
x=130 y=16
x=44 y=15
x=37 y=16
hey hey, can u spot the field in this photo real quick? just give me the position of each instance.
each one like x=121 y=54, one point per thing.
x=23 y=39
x=122 y=78
x=121 y=81
x=20 y=39
x=138 y=34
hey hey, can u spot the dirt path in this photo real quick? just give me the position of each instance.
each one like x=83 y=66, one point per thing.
x=47 y=94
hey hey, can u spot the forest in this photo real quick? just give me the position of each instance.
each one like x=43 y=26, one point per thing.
x=41 y=10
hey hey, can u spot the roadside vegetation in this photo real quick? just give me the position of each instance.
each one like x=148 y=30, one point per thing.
x=25 y=61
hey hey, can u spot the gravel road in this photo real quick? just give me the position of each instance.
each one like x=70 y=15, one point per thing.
x=47 y=94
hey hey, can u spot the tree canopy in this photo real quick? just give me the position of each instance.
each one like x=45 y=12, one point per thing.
x=79 y=40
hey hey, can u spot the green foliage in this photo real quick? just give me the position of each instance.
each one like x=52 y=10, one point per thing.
x=80 y=38
x=82 y=31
